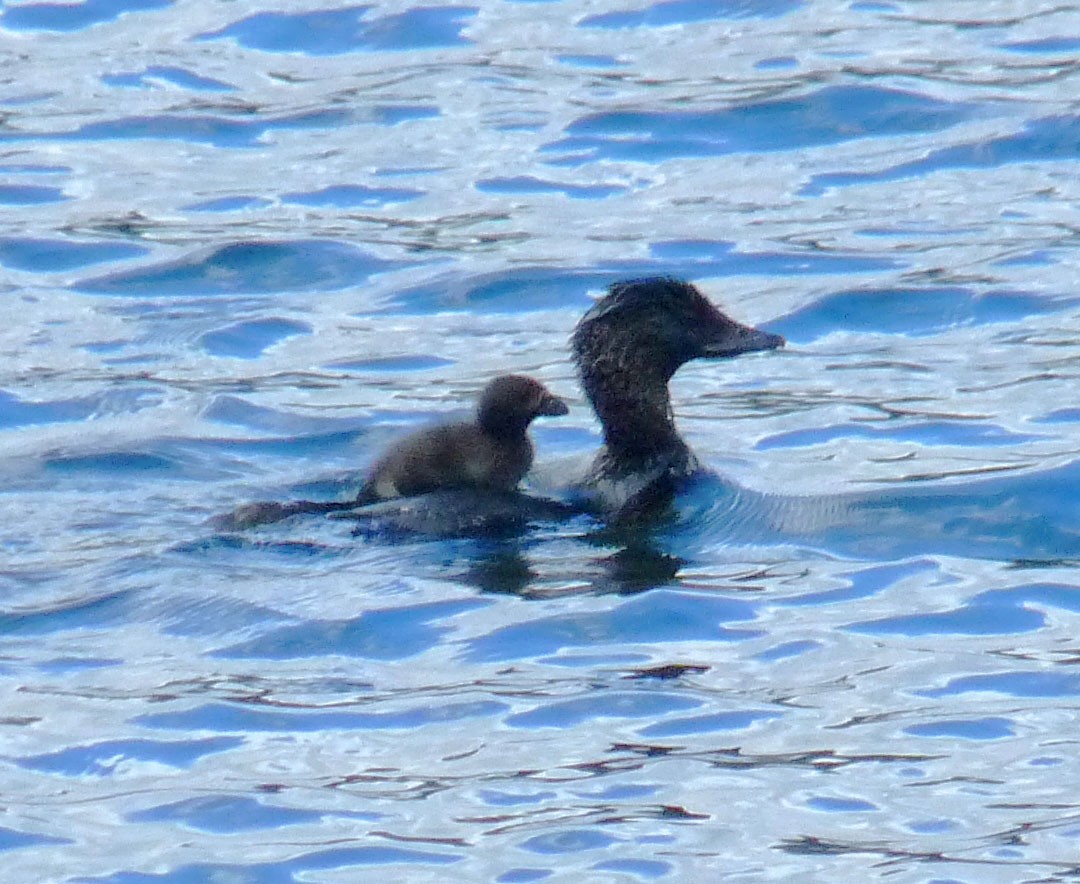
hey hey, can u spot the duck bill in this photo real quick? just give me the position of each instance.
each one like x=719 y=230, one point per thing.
x=735 y=339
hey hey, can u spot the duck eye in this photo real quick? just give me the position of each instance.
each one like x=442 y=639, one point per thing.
x=706 y=314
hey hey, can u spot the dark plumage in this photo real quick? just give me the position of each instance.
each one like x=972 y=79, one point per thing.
x=626 y=348
x=492 y=452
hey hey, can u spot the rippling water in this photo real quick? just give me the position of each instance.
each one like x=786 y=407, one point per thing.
x=243 y=246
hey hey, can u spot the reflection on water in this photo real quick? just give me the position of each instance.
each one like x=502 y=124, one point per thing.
x=242 y=249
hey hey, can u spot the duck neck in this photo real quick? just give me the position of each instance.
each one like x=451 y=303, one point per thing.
x=635 y=411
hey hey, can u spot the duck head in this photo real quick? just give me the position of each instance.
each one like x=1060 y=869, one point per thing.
x=670 y=320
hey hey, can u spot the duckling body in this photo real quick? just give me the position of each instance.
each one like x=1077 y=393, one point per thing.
x=491 y=451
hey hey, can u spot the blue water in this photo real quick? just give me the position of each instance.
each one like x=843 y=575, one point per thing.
x=242 y=247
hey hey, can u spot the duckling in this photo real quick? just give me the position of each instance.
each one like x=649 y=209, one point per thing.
x=492 y=451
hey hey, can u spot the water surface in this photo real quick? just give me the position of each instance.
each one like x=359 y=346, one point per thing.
x=243 y=246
